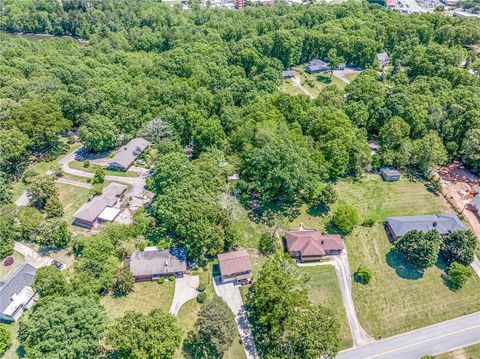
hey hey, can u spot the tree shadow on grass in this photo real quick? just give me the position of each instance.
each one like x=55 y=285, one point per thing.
x=402 y=268
x=318 y=211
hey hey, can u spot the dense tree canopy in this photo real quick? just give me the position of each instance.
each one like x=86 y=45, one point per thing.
x=419 y=249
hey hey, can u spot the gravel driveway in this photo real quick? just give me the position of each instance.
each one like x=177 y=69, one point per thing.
x=230 y=293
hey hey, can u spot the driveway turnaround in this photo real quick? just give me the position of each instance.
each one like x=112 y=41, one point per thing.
x=360 y=336
x=185 y=290
x=34 y=258
x=231 y=295
x=432 y=340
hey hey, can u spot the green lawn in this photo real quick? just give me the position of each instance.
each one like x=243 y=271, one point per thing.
x=289 y=88
x=398 y=299
x=72 y=198
x=324 y=290
x=188 y=315
x=145 y=297
x=19 y=259
x=12 y=352
x=472 y=352
x=77 y=165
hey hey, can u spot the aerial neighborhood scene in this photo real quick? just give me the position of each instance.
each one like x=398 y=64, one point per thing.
x=240 y=179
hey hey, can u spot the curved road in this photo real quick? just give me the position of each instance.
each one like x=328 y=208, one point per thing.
x=432 y=340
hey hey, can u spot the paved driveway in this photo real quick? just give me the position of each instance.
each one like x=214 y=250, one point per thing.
x=230 y=293
x=432 y=340
x=185 y=290
x=34 y=258
x=342 y=268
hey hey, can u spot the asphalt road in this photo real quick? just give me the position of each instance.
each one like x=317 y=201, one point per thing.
x=432 y=340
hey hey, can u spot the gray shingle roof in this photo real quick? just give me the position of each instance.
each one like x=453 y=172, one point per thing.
x=443 y=223
x=153 y=261
x=22 y=277
x=129 y=153
x=316 y=65
x=90 y=210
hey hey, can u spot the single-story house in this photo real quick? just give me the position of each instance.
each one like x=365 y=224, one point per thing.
x=152 y=263
x=383 y=59
x=235 y=266
x=16 y=293
x=311 y=245
x=390 y=174
x=287 y=74
x=397 y=227
x=100 y=208
x=124 y=158
x=316 y=66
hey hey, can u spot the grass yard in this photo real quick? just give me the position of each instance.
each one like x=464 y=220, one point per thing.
x=324 y=290
x=188 y=314
x=19 y=259
x=145 y=297
x=77 y=165
x=472 y=352
x=398 y=299
x=14 y=351
x=289 y=88
x=72 y=198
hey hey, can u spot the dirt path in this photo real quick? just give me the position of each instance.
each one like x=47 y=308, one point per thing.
x=297 y=82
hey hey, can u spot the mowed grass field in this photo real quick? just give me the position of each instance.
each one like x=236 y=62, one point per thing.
x=188 y=314
x=72 y=198
x=472 y=352
x=145 y=297
x=398 y=299
x=324 y=290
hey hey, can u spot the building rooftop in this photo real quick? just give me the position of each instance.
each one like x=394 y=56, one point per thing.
x=152 y=261
x=234 y=262
x=382 y=57
x=443 y=223
x=109 y=197
x=310 y=242
x=390 y=171
x=129 y=153
x=12 y=289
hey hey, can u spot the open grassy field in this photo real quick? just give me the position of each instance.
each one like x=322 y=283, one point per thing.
x=398 y=298
x=324 y=290
x=79 y=166
x=472 y=352
x=145 y=297
x=188 y=314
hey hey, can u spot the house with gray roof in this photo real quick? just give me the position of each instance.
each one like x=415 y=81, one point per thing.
x=100 y=207
x=383 y=59
x=397 y=227
x=316 y=65
x=16 y=293
x=125 y=157
x=151 y=263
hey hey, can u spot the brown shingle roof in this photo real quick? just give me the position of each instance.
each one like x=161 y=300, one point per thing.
x=312 y=243
x=234 y=262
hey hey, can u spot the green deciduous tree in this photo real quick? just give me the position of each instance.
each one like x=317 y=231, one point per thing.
x=63 y=327
x=471 y=148
x=13 y=149
x=458 y=275
x=459 y=246
x=41 y=190
x=436 y=154
x=149 y=336
x=49 y=281
x=54 y=208
x=419 y=249
x=99 y=133
x=214 y=331
x=7 y=234
x=363 y=274
x=5 y=339
x=99 y=176
x=124 y=281
x=345 y=217
x=54 y=233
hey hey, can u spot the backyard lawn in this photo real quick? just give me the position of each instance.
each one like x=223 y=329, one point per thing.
x=324 y=290
x=398 y=298
x=72 y=198
x=145 y=297
x=77 y=165
x=18 y=258
x=188 y=315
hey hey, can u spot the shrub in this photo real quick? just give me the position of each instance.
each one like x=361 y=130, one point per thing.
x=345 y=217
x=96 y=189
x=8 y=261
x=458 y=275
x=161 y=280
x=171 y=278
x=99 y=176
x=201 y=287
x=57 y=171
x=86 y=163
x=201 y=297
x=266 y=244
x=369 y=222
x=5 y=339
x=363 y=275
x=29 y=175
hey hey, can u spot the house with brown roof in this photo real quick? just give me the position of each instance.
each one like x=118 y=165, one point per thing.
x=235 y=266
x=311 y=245
x=151 y=263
